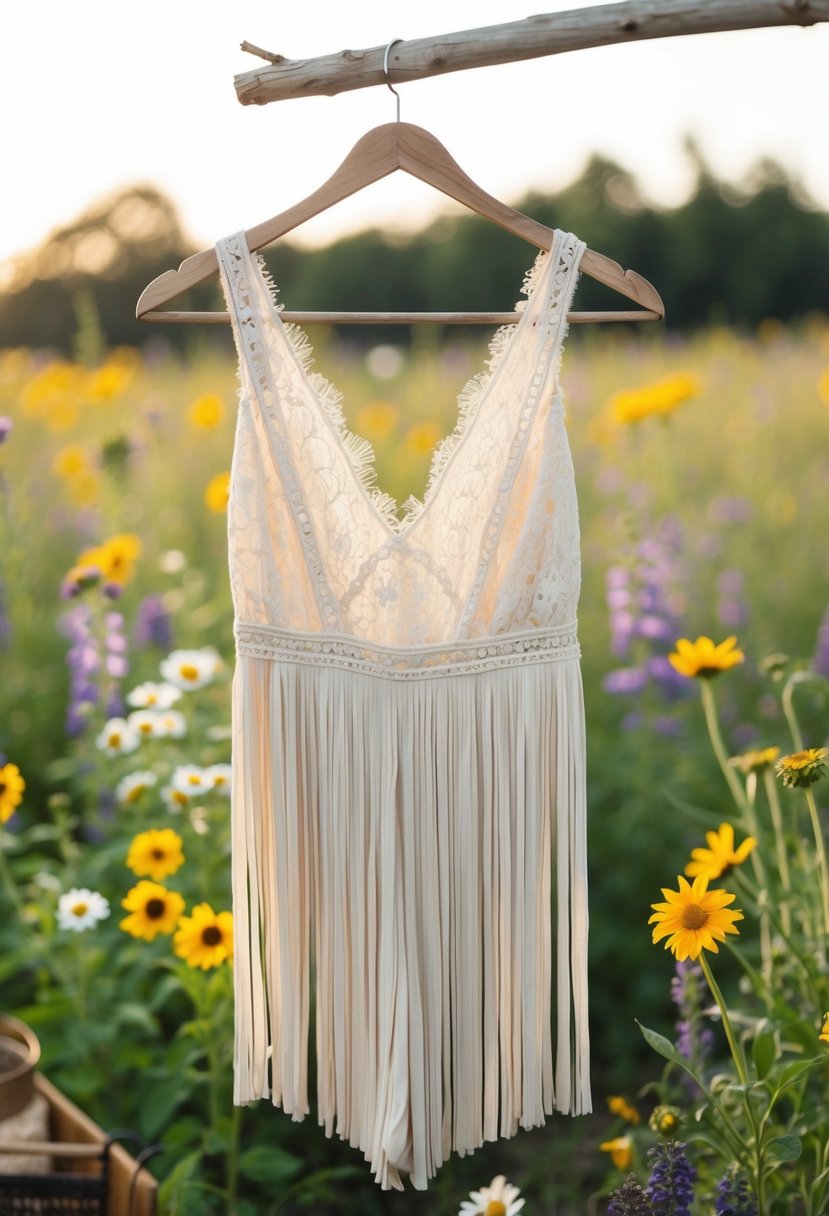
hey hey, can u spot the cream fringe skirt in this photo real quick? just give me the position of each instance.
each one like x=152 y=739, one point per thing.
x=411 y=854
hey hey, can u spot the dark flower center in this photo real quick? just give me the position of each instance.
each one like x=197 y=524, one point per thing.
x=693 y=917
x=3 y=788
x=158 y=854
x=154 y=908
x=211 y=935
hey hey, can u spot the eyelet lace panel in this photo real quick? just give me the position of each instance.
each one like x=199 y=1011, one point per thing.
x=461 y=658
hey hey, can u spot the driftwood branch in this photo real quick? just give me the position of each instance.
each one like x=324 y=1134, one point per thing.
x=531 y=38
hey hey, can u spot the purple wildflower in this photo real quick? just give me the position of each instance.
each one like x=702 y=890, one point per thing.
x=734 y=1198
x=730 y=510
x=671 y=1184
x=625 y=680
x=820 y=663
x=84 y=662
x=731 y=606
x=6 y=426
x=5 y=621
x=694 y=1040
x=152 y=624
x=629 y=1199
x=116 y=661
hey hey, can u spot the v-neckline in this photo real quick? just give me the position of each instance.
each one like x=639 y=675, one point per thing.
x=386 y=510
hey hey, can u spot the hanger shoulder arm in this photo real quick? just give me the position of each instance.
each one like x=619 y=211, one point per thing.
x=627 y=282
x=166 y=286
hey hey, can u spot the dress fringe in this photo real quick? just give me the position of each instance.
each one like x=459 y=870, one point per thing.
x=421 y=845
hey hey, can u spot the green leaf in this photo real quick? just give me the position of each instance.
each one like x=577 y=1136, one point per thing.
x=763 y=1052
x=662 y=1045
x=785 y=1148
x=173 y=1190
x=264 y=1163
x=666 y=1048
x=132 y=1014
x=792 y=1072
x=167 y=1096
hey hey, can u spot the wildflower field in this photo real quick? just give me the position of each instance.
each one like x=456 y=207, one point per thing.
x=703 y=473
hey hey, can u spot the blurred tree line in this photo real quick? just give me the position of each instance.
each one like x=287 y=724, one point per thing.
x=731 y=254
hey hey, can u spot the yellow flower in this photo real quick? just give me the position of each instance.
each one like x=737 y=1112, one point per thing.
x=720 y=856
x=376 y=420
x=204 y=939
x=704 y=659
x=619 y=1106
x=206 y=412
x=156 y=853
x=153 y=910
x=824 y=1034
x=71 y=461
x=621 y=1151
x=85 y=489
x=106 y=382
x=217 y=491
x=693 y=919
x=755 y=761
x=12 y=786
x=802 y=768
x=422 y=438
x=54 y=386
x=115 y=558
x=823 y=387
x=664 y=1120
x=663 y=397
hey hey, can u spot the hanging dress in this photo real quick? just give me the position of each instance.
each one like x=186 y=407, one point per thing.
x=408 y=796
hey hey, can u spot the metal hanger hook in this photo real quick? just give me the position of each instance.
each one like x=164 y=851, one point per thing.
x=393 y=42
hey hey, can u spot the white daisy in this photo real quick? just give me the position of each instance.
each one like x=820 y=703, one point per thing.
x=171 y=724
x=174 y=799
x=500 y=1198
x=81 y=909
x=130 y=788
x=147 y=722
x=219 y=777
x=153 y=696
x=191 y=780
x=118 y=737
x=188 y=669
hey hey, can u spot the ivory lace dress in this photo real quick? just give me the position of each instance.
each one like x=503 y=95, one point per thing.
x=408 y=749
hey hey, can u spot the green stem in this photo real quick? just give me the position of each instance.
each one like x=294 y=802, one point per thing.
x=8 y=883
x=709 y=706
x=779 y=845
x=750 y=816
x=736 y=1050
x=787 y=702
x=821 y=856
x=808 y=966
x=232 y=1167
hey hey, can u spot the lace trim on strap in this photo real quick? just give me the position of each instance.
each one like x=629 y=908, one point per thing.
x=566 y=251
x=232 y=253
x=415 y=663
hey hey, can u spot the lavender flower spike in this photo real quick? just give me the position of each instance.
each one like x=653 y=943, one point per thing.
x=629 y=1199
x=671 y=1184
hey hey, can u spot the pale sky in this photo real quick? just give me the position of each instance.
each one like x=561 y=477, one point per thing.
x=101 y=94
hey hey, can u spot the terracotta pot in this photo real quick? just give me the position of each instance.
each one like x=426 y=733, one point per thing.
x=19 y=1054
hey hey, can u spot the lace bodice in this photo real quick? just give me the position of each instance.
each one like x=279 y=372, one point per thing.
x=316 y=548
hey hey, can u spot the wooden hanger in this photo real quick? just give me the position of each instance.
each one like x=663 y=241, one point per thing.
x=381 y=151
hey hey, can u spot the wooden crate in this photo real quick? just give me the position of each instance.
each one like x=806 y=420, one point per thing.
x=69 y=1124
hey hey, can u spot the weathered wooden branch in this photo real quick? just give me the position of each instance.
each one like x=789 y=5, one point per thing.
x=531 y=38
